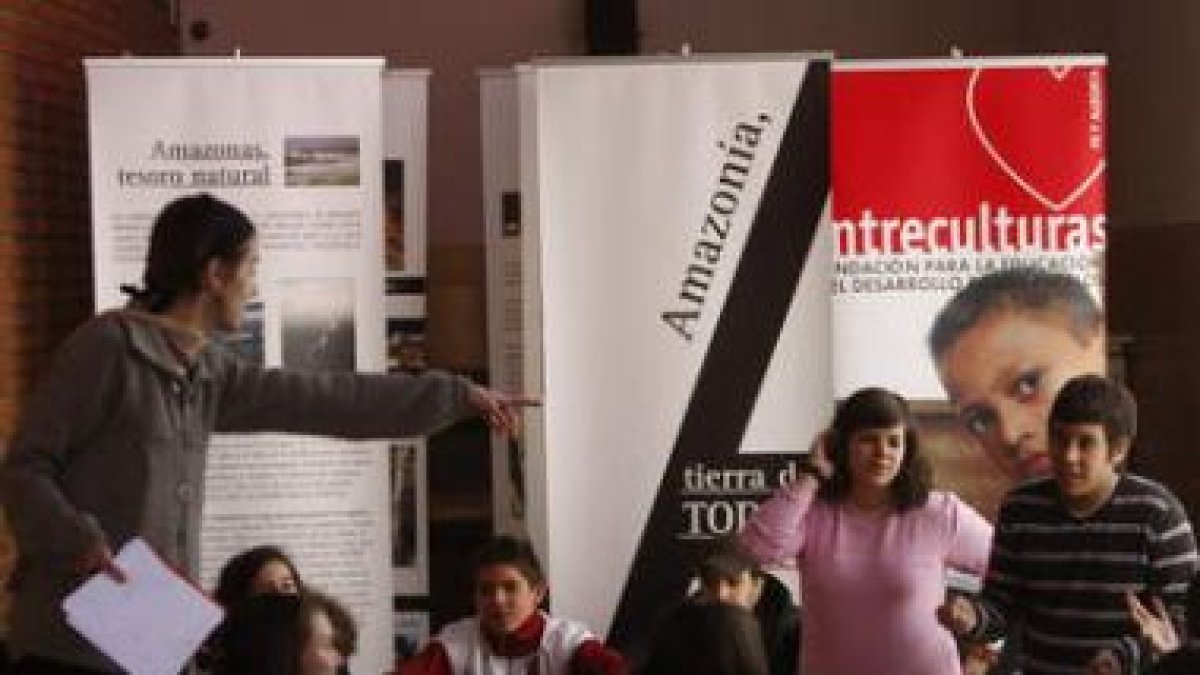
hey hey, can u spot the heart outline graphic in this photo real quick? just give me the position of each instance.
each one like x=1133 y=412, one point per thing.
x=1059 y=74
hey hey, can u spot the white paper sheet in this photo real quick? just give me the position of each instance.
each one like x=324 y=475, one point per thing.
x=152 y=623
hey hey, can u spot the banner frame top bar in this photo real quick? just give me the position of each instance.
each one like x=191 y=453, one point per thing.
x=225 y=61
x=676 y=59
x=497 y=71
x=1036 y=61
x=408 y=73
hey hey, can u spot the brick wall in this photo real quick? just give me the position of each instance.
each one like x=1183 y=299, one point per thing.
x=45 y=240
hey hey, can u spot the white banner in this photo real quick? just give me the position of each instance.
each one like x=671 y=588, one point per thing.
x=678 y=309
x=405 y=141
x=296 y=143
x=505 y=299
x=405 y=137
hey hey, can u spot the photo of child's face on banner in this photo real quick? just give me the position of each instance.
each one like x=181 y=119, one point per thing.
x=969 y=215
x=1003 y=346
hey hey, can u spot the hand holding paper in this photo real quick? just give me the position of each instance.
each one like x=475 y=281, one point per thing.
x=150 y=624
x=99 y=558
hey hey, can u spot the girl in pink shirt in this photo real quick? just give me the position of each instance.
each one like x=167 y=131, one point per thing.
x=872 y=543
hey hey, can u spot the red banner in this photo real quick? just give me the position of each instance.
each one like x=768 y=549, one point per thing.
x=946 y=173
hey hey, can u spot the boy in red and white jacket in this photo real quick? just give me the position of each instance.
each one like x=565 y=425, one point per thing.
x=509 y=635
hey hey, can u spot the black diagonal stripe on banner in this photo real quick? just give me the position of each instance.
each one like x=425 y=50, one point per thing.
x=744 y=339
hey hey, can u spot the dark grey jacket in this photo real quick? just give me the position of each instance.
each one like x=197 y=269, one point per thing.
x=113 y=446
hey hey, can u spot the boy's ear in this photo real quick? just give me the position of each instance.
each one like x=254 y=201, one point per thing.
x=213 y=275
x=1119 y=452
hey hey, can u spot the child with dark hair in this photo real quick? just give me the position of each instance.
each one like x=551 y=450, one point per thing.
x=267 y=569
x=1076 y=552
x=274 y=634
x=729 y=574
x=257 y=570
x=112 y=445
x=509 y=635
x=873 y=544
x=703 y=637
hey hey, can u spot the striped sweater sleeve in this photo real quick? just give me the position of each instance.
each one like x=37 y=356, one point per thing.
x=1172 y=564
x=997 y=606
x=1064 y=578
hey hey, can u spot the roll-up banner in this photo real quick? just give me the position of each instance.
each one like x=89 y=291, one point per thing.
x=676 y=276
x=405 y=125
x=405 y=153
x=949 y=171
x=296 y=143
x=505 y=299
x=690 y=316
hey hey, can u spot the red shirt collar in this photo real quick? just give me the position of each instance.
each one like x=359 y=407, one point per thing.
x=524 y=640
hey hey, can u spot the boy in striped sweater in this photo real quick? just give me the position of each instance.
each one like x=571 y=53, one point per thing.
x=1074 y=551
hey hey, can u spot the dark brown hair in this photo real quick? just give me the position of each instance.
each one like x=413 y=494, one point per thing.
x=725 y=560
x=188 y=233
x=707 y=638
x=516 y=552
x=265 y=635
x=235 y=582
x=875 y=408
x=1095 y=399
